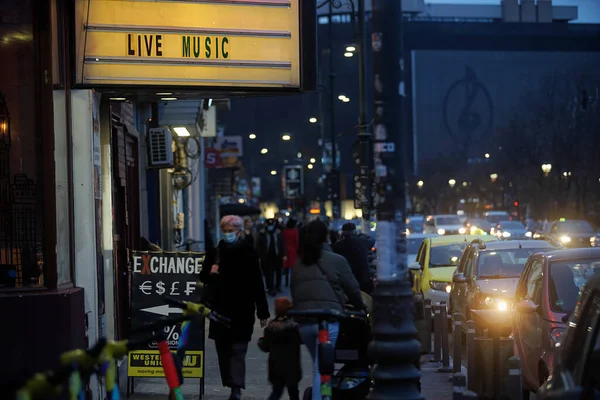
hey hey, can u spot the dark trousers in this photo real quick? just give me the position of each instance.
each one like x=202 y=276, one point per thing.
x=272 y=271
x=232 y=363
x=278 y=389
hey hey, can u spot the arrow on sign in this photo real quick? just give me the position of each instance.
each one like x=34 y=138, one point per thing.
x=163 y=310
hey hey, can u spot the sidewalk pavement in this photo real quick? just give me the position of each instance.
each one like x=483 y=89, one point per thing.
x=434 y=385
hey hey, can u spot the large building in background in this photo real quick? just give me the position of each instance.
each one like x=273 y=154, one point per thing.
x=506 y=50
x=461 y=98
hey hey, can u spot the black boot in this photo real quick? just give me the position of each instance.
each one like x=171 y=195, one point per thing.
x=236 y=393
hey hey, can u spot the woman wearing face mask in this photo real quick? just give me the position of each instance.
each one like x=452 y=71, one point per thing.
x=236 y=291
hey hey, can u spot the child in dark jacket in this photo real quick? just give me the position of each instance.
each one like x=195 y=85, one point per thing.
x=282 y=341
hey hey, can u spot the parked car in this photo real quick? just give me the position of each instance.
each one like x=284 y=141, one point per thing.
x=573 y=233
x=478 y=226
x=446 y=224
x=577 y=359
x=413 y=243
x=414 y=224
x=512 y=230
x=493 y=217
x=484 y=283
x=437 y=259
x=547 y=292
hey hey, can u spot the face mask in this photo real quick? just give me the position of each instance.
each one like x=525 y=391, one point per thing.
x=230 y=237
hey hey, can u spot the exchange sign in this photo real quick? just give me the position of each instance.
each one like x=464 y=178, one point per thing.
x=237 y=43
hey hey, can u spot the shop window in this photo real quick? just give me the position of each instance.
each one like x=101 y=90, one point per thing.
x=21 y=218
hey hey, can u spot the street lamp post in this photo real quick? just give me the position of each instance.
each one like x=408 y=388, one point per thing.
x=364 y=136
x=394 y=348
x=335 y=182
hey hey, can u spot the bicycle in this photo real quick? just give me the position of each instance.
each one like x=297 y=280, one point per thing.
x=79 y=365
x=326 y=351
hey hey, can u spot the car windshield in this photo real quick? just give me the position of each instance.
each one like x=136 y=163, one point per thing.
x=502 y=264
x=566 y=281
x=575 y=227
x=511 y=225
x=494 y=219
x=413 y=246
x=440 y=255
x=447 y=221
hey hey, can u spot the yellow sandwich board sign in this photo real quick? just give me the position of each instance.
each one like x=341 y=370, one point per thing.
x=223 y=44
x=147 y=364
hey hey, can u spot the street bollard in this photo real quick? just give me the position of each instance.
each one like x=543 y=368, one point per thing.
x=457 y=342
x=470 y=353
x=445 y=339
x=437 y=333
x=506 y=350
x=427 y=315
x=515 y=385
x=421 y=324
x=484 y=364
x=459 y=383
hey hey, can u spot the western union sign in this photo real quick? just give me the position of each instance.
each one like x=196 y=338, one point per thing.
x=201 y=43
x=146 y=363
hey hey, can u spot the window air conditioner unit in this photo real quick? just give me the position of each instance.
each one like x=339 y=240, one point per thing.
x=160 y=148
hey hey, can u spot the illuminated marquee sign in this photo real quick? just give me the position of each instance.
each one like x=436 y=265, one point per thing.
x=201 y=43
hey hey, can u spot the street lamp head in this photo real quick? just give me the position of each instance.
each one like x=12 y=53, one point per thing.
x=310 y=166
x=487 y=155
x=312 y=120
x=348 y=54
x=299 y=155
x=420 y=184
x=465 y=184
x=350 y=48
x=346 y=100
x=546 y=168
x=493 y=177
x=273 y=172
x=313 y=160
x=341 y=97
x=286 y=137
x=264 y=151
x=252 y=136
x=452 y=182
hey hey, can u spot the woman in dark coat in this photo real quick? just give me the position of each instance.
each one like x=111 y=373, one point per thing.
x=236 y=290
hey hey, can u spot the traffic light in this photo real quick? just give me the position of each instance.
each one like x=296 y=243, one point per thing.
x=516 y=204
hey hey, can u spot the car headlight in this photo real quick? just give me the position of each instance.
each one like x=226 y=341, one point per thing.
x=441 y=231
x=593 y=239
x=505 y=234
x=441 y=286
x=565 y=239
x=498 y=304
x=462 y=231
x=529 y=234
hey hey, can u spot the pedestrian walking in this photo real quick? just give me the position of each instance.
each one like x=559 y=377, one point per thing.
x=352 y=249
x=291 y=242
x=271 y=251
x=334 y=237
x=321 y=280
x=282 y=341
x=235 y=288
x=249 y=231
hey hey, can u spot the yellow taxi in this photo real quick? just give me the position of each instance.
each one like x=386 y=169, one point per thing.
x=436 y=261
